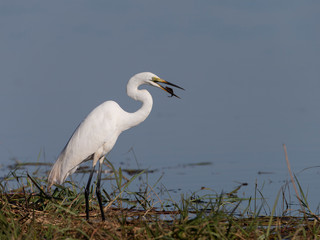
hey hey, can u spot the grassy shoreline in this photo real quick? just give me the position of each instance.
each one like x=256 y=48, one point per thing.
x=28 y=212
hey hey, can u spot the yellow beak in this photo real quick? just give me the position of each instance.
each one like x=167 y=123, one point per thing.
x=167 y=89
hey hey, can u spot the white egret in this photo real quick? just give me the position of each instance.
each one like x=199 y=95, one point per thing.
x=98 y=133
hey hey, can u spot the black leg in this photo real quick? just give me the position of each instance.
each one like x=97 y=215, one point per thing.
x=86 y=193
x=99 y=193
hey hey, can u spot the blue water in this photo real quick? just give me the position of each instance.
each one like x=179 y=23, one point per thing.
x=251 y=74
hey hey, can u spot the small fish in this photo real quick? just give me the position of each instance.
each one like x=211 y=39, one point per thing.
x=170 y=90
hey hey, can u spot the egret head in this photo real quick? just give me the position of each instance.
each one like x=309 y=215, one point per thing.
x=153 y=80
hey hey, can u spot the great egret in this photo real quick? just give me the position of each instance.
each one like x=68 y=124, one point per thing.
x=98 y=133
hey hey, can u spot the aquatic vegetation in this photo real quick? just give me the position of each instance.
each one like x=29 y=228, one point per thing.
x=29 y=212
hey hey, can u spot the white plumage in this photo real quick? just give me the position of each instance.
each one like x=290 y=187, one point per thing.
x=99 y=131
x=94 y=138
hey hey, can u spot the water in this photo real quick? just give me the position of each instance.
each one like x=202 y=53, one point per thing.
x=169 y=179
x=251 y=74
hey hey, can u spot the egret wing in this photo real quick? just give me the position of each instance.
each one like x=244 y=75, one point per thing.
x=91 y=136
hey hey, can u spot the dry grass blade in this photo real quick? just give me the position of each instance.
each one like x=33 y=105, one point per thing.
x=291 y=176
x=302 y=203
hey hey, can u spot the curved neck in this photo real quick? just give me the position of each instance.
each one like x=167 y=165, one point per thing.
x=133 y=119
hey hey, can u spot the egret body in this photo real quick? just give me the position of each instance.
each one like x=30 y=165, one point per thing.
x=98 y=132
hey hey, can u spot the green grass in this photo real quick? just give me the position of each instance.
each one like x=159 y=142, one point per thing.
x=29 y=212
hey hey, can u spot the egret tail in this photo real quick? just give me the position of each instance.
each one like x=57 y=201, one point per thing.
x=55 y=175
